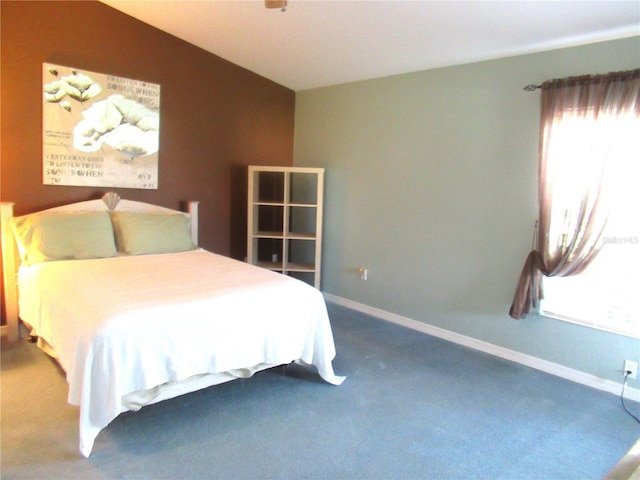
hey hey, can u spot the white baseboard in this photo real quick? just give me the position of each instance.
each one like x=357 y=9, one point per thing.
x=482 y=346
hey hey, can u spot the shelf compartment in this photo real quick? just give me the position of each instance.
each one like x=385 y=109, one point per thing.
x=261 y=234
x=307 y=277
x=300 y=254
x=269 y=251
x=299 y=236
x=269 y=218
x=301 y=221
x=269 y=187
x=299 y=267
x=303 y=188
x=275 y=266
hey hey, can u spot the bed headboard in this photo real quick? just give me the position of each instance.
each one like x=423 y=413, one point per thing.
x=109 y=202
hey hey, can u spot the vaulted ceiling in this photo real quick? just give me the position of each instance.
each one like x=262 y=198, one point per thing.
x=316 y=43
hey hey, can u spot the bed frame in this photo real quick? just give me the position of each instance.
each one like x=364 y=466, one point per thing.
x=11 y=260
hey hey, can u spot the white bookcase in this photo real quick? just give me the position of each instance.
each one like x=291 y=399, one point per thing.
x=284 y=220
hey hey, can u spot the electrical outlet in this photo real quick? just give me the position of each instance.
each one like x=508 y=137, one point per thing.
x=364 y=273
x=632 y=367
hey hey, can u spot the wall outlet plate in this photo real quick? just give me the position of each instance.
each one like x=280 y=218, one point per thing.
x=632 y=367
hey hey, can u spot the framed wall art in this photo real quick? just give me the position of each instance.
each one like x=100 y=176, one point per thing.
x=99 y=130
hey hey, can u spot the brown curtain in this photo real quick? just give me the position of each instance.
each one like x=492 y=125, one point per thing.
x=579 y=133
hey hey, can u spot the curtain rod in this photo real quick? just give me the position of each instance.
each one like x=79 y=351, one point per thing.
x=588 y=79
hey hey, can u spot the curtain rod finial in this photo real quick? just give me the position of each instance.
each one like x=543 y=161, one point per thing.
x=531 y=87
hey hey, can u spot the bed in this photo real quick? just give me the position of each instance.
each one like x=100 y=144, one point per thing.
x=135 y=313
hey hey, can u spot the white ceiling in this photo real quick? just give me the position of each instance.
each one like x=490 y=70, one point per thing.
x=317 y=43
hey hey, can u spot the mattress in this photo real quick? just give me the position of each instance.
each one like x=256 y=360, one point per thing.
x=133 y=323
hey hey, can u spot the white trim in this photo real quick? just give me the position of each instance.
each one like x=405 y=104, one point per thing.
x=486 y=347
x=585 y=323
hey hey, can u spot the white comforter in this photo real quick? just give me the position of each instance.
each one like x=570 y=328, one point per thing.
x=127 y=324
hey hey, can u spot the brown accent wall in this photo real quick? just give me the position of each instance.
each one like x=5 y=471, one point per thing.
x=216 y=117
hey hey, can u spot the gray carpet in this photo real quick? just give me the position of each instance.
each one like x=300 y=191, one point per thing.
x=412 y=407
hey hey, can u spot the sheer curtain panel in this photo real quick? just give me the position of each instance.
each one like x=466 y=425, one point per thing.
x=584 y=152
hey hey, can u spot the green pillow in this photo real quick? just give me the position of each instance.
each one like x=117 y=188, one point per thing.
x=145 y=233
x=43 y=237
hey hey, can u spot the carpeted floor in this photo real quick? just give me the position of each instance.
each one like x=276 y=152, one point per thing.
x=412 y=407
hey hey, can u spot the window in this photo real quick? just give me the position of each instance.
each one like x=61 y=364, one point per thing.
x=587 y=176
x=605 y=295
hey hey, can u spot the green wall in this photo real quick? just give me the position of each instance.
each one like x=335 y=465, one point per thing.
x=431 y=185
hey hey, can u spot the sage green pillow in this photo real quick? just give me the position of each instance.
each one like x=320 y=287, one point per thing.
x=44 y=237
x=146 y=233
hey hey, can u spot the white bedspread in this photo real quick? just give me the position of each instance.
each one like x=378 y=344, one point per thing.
x=125 y=324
